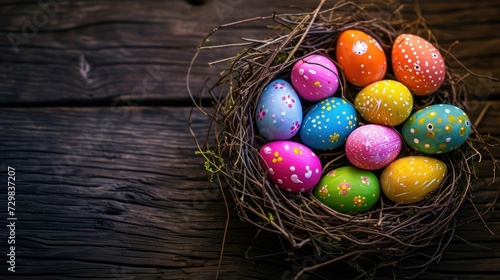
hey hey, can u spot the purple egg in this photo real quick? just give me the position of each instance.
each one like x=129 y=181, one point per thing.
x=315 y=77
x=373 y=146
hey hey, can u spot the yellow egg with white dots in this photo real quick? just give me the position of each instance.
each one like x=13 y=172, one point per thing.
x=386 y=102
x=409 y=179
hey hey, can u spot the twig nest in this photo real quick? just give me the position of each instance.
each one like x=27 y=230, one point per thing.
x=312 y=120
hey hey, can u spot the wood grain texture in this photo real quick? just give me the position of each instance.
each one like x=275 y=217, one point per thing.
x=108 y=185
x=94 y=52
x=126 y=200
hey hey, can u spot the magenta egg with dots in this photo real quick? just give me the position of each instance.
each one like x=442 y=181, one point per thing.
x=315 y=77
x=293 y=167
x=373 y=146
x=278 y=114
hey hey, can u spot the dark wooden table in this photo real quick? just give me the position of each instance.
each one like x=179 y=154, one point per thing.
x=93 y=118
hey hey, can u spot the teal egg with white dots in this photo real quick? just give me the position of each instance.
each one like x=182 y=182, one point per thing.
x=328 y=123
x=436 y=129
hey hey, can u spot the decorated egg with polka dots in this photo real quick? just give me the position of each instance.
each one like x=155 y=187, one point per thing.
x=292 y=166
x=417 y=64
x=436 y=129
x=385 y=102
x=348 y=190
x=361 y=57
x=373 y=146
x=328 y=123
x=315 y=77
x=410 y=179
x=279 y=112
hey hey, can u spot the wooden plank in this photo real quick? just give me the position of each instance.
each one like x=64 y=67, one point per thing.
x=88 y=53
x=129 y=197
x=103 y=194
x=116 y=192
x=103 y=54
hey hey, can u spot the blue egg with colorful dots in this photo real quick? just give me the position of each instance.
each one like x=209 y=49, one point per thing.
x=279 y=112
x=436 y=129
x=328 y=123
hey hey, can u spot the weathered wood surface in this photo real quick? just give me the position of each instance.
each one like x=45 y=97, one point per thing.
x=108 y=186
x=91 y=53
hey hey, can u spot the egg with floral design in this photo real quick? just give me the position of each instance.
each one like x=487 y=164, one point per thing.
x=385 y=102
x=410 y=179
x=292 y=166
x=362 y=58
x=328 y=124
x=418 y=64
x=348 y=190
x=278 y=114
x=373 y=146
x=436 y=129
x=315 y=77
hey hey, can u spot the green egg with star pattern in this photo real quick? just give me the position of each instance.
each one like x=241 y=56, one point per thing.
x=328 y=124
x=436 y=129
x=348 y=190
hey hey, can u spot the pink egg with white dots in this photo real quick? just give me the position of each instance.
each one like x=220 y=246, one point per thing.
x=292 y=166
x=373 y=146
x=315 y=77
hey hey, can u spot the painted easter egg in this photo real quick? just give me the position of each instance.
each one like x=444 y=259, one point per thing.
x=315 y=77
x=385 y=102
x=292 y=166
x=328 y=123
x=279 y=112
x=348 y=190
x=436 y=129
x=361 y=57
x=417 y=64
x=373 y=146
x=410 y=179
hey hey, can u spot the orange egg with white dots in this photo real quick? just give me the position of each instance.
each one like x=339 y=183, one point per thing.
x=362 y=58
x=418 y=64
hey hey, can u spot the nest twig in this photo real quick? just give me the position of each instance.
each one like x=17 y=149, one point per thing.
x=388 y=232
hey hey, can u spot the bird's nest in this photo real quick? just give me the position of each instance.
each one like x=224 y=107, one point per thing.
x=388 y=232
